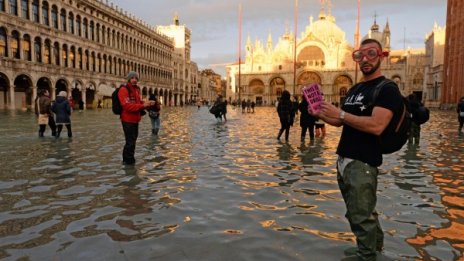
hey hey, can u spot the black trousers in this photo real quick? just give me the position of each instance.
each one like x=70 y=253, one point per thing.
x=131 y=132
x=311 y=131
x=51 y=123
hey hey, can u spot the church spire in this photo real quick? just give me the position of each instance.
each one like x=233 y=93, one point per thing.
x=375 y=26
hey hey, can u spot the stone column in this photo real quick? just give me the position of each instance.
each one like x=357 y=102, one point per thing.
x=34 y=96
x=84 y=97
x=52 y=93
x=11 y=92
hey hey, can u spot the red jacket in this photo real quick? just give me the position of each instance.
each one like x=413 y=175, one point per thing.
x=131 y=104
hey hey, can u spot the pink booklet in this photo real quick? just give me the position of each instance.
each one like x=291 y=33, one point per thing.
x=313 y=96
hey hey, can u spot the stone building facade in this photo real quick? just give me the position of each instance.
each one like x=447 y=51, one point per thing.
x=323 y=56
x=85 y=47
x=454 y=54
x=435 y=54
x=186 y=73
x=210 y=85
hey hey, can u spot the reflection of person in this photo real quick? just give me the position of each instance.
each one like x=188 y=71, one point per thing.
x=414 y=132
x=62 y=111
x=44 y=113
x=460 y=111
x=154 y=114
x=359 y=151
x=306 y=120
x=130 y=117
x=81 y=105
x=286 y=113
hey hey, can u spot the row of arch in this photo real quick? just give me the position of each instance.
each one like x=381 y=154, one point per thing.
x=23 y=90
x=271 y=91
x=41 y=12
x=37 y=50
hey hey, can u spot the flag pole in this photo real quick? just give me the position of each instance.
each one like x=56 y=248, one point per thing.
x=239 y=51
x=356 y=39
x=294 y=46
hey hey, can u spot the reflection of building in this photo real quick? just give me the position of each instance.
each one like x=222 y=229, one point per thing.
x=85 y=47
x=434 y=53
x=322 y=55
x=453 y=79
x=185 y=71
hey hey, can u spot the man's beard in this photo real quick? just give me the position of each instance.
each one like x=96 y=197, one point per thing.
x=367 y=72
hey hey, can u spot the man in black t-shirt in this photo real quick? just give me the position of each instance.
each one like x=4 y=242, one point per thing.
x=359 y=151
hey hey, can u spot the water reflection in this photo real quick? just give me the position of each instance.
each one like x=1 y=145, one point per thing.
x=204 y=190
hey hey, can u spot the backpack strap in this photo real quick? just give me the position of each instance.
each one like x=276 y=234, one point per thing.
x=377 y=89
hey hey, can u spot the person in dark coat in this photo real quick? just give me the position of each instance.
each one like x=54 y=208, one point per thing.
x=62 y=110
x=286 y=112
x=307 y=121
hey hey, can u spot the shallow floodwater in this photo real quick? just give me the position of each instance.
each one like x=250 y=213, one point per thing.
x=205 y=190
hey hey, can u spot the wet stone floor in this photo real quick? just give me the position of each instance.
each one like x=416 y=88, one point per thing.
x=204 y=190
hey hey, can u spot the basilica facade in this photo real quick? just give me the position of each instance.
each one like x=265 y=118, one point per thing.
x=85 y=47
x=323 y=56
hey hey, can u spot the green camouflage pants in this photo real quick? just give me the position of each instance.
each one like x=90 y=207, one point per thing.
x=358 y=184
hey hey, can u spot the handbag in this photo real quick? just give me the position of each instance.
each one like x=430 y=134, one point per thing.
x=153 y=114
x=43 y=119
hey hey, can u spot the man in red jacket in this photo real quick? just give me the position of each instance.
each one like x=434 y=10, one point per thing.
x=132 y=105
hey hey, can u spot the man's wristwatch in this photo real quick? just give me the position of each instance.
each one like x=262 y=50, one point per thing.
x=342 y=116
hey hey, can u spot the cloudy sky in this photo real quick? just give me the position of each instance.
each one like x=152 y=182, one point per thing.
x=214 y=23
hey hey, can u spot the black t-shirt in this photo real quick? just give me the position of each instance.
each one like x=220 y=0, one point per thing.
x=359 y=145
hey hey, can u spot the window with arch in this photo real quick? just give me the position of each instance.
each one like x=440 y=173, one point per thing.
x=79 y=58
x=92 y=31
x=64 y=55
x=35 y=11
x=55 y=17
x=78 y=25
x=25 y=9
x=71 y=23
x=98 y=64
x=26 y=45
x=103 y=34
x=2 y=5
x=45 y=17
x=3 y=43
x=84 y=27
x=86 y=60
x=47 y=52
x=15 y=45
x=63 y=19
x=38 y=50
x=72 y=57
x=92 y=62
x=13 y=7
x=98 y=33
x=56 y=53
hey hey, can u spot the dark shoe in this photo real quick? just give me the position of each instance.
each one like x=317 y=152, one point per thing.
x=41 y=134
x=155 y=131
x=54 y=133
x=57 y=135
